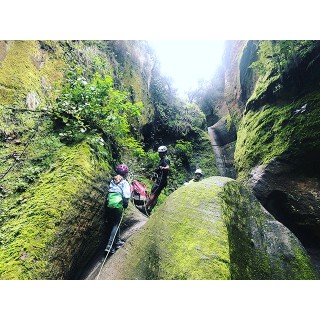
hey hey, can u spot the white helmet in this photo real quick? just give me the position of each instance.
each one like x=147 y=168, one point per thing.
x=162 y=149
x=198 y=171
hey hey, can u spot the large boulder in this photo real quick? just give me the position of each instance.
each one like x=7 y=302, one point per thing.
x=291 y=195
x=214 y=229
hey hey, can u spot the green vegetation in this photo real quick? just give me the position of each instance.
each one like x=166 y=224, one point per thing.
x=95 y=108
x=275 y=59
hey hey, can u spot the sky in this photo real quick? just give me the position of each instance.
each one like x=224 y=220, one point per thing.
x=187 y=62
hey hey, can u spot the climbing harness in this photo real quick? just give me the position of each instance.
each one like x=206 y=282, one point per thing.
x=158 y=179
x=105 y=259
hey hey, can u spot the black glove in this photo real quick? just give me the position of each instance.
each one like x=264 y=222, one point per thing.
x=125 y=203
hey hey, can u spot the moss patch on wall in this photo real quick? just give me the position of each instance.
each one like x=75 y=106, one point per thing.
x=278 y=129
x=28 y=69
x=32 y=225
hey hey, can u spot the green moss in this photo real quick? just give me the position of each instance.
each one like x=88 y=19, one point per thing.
x=258 y=247
x=276 y=60
x=247 y=262
x=275 y=130
x=27 y=69
x=187 y=240
x=32 y=225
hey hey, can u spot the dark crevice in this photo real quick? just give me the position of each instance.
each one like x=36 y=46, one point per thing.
x=278 y=205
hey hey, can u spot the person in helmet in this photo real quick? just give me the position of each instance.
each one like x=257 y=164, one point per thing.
x=161 y=180
x=197 y=177
x=117 y=200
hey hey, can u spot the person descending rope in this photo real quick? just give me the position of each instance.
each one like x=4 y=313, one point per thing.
x=161 y=180
x=117 y=200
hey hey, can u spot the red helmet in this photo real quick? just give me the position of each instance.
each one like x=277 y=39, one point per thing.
x=122 y=169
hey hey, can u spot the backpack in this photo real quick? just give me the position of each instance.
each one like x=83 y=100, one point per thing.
x=139 y=192
x=115 y=199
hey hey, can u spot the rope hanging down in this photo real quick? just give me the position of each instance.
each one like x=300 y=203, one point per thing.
x=109 y=249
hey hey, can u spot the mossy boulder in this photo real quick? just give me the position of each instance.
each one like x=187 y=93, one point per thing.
x=214 y=229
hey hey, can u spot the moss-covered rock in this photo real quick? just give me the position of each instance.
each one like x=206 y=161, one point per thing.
x=55 y=225
x=276 y=130
x=185 y=239
x=24 y=69
x=214 y=229
x=260 y=246
x=51 y=200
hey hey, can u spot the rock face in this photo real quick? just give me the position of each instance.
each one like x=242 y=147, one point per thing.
x=292 y=197
x=223 y=142
x=59 y=222
x=214 y=229
x=51 y=221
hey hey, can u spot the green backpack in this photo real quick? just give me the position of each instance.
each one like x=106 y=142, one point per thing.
x=115 y=200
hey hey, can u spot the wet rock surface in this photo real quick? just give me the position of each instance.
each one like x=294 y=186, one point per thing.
x=223 y=143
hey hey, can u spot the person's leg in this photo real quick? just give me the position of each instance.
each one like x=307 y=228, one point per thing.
x=153 y=202
x=150 y=200
x=156 y=194
x=117 y=243
x=115 y=218
x=154 y=188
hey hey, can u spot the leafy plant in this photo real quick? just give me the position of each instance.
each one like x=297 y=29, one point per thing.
x=94 y=107
x=183 y=150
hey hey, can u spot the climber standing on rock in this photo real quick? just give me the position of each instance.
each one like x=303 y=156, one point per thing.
x=161 y=178
x=117 y=200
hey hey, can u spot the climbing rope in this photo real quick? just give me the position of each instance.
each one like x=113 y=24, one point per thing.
x=105 y=259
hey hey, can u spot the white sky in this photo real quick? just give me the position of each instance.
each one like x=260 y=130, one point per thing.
x=188 y=61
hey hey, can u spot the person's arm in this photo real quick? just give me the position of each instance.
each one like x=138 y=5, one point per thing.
x=125 y=202
x=167 y=167
x=126 y=194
